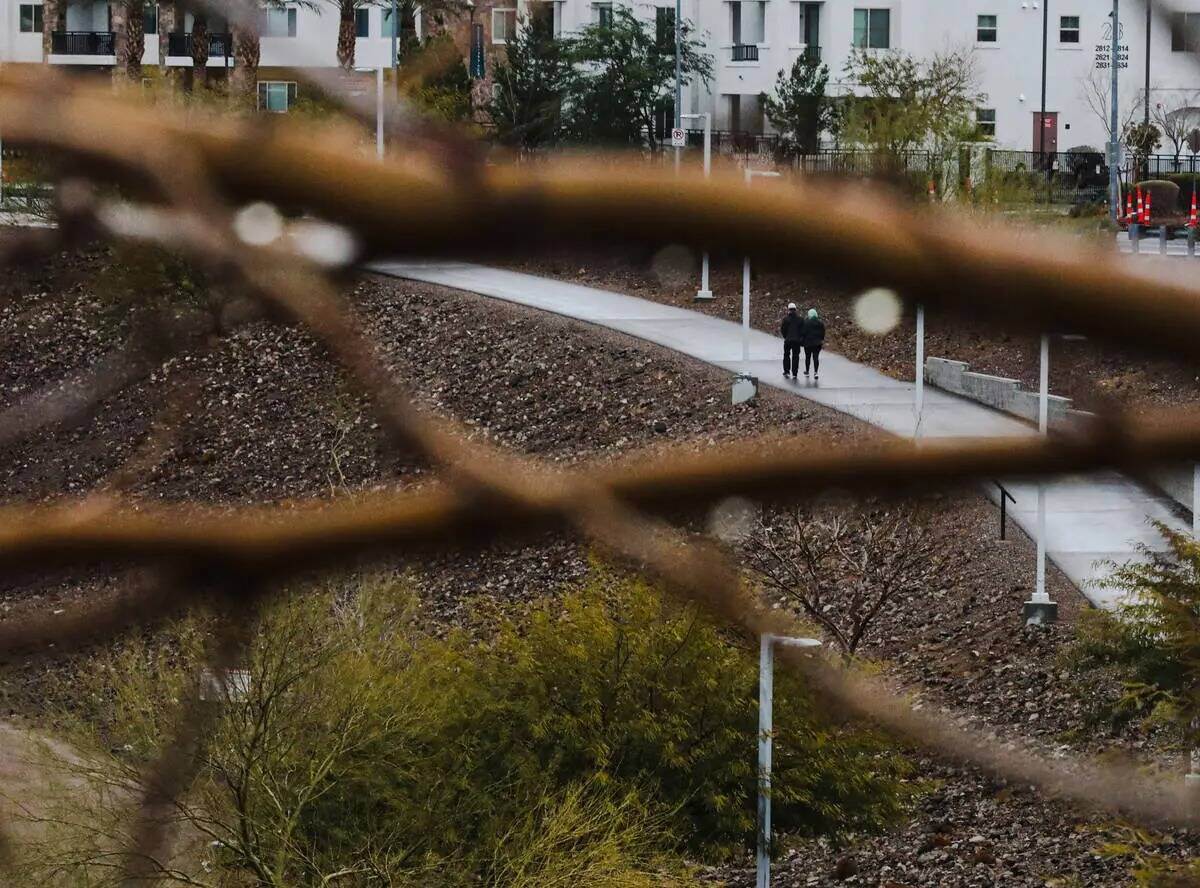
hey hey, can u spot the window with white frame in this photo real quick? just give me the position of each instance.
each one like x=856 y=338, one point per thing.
x=985 y=119
x=504 y=25
x=1068 y=29
x=985 y=29
x=31 y=18
x=362 y=23
x=604 y=14
x=664 y=26
x=276 y=96
x=872 y=28
x=150 y=18
x=280 y=22
x=747 y=22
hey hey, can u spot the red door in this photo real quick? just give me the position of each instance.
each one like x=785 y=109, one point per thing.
x=1045 y=127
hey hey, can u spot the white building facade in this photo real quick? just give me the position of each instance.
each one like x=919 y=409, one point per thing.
x=750 y=42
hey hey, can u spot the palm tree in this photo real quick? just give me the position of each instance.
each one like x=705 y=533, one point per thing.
x=52 y=11
x=247 y=51
x=130 y=24
x=199 y=48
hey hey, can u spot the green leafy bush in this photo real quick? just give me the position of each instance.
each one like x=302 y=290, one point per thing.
x=577 y=744
x=1141 y=662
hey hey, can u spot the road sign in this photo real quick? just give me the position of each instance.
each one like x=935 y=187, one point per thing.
x=678 y=138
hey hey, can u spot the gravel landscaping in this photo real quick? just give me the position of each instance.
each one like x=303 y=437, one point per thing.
x=252 y=411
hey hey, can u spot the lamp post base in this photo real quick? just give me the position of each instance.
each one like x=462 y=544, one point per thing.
x=1041 y=612
x=702 y=296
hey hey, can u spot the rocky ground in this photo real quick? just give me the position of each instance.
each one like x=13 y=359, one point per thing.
x=253 y=411
x=1096 y=376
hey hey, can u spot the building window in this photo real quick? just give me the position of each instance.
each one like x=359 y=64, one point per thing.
x=1185 y=32
x=504 y=25
x=1068 y=29
x=985 y=29
x=280 y=23
x=872 y=28
x=985 y=119
x=604 y=15
x=276 y=96
x=747 y=22
x=385 y=21
x=362 y=23
x=664 y=27
x=150 y=19
x=31 y=18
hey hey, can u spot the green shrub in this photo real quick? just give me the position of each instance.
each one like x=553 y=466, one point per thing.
x=575 y=745
x=1141 y=662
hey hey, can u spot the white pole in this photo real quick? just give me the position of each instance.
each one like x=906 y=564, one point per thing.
x=766 y=679
x=746 y=294
x=1044 y=387
x=746 y=309
x=1039 y=594
x=705 y=292
x=1196 y=501
x=379 y=112
x=919 y=405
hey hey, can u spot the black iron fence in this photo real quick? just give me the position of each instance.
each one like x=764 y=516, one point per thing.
x=219 y=45
x=90 y=43
x=1047 y=176
x=744 y=52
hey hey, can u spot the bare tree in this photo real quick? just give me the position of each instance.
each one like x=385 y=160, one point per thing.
x=1176 y=118
x=843 y=568
x=1095 y=92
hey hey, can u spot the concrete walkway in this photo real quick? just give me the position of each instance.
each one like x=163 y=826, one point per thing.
x=1089 y=519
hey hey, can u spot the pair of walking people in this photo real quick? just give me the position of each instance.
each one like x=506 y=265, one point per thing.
x=802 y=332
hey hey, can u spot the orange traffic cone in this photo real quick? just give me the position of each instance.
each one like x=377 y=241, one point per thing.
x=932 y=191
x=1192 y=221
x=1141 y=207
x=1147 y=207
x=1128 y=207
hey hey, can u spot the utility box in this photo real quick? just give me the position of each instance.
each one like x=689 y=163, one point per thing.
x=745 y=388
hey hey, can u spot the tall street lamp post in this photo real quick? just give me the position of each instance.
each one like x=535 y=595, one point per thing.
x=704 y=293
x=750 y=174
x=1114 y=144
x=766 y=730
x=1042 y=117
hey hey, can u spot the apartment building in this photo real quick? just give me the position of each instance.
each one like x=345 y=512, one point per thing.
x=750 y=41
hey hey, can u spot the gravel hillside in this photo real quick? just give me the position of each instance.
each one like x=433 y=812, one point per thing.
x=252 y=411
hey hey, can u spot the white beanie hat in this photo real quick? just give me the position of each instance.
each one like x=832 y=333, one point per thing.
x=791 y=305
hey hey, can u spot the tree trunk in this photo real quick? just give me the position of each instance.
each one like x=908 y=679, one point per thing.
x=168 y=13
x=52 y=15
x=346 y=37
x=247 y=50
x=135 y=40
x=199 y=51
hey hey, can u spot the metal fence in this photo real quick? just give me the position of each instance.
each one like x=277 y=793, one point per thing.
x=1048 y=177
x=439 y=198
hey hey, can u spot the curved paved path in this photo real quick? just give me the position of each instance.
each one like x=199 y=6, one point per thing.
x=1089 y=519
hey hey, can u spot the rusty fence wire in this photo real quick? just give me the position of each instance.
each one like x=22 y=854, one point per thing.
x=129 y=172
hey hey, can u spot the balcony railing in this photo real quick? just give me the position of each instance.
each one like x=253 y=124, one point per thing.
x=88 y=43
x=811 y=53
x=180 y=45
x=745 y=52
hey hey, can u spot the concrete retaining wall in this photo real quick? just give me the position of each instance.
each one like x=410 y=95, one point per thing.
x=996 y=391
x=1175 y=480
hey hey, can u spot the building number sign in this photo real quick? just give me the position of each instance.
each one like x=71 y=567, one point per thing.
x=1104 y=48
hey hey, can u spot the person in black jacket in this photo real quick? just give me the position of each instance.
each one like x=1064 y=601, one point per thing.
x=813 y=337
x=792 y=331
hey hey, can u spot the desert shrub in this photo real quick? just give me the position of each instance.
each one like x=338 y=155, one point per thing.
x=574 y=745
x=1141 y=662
